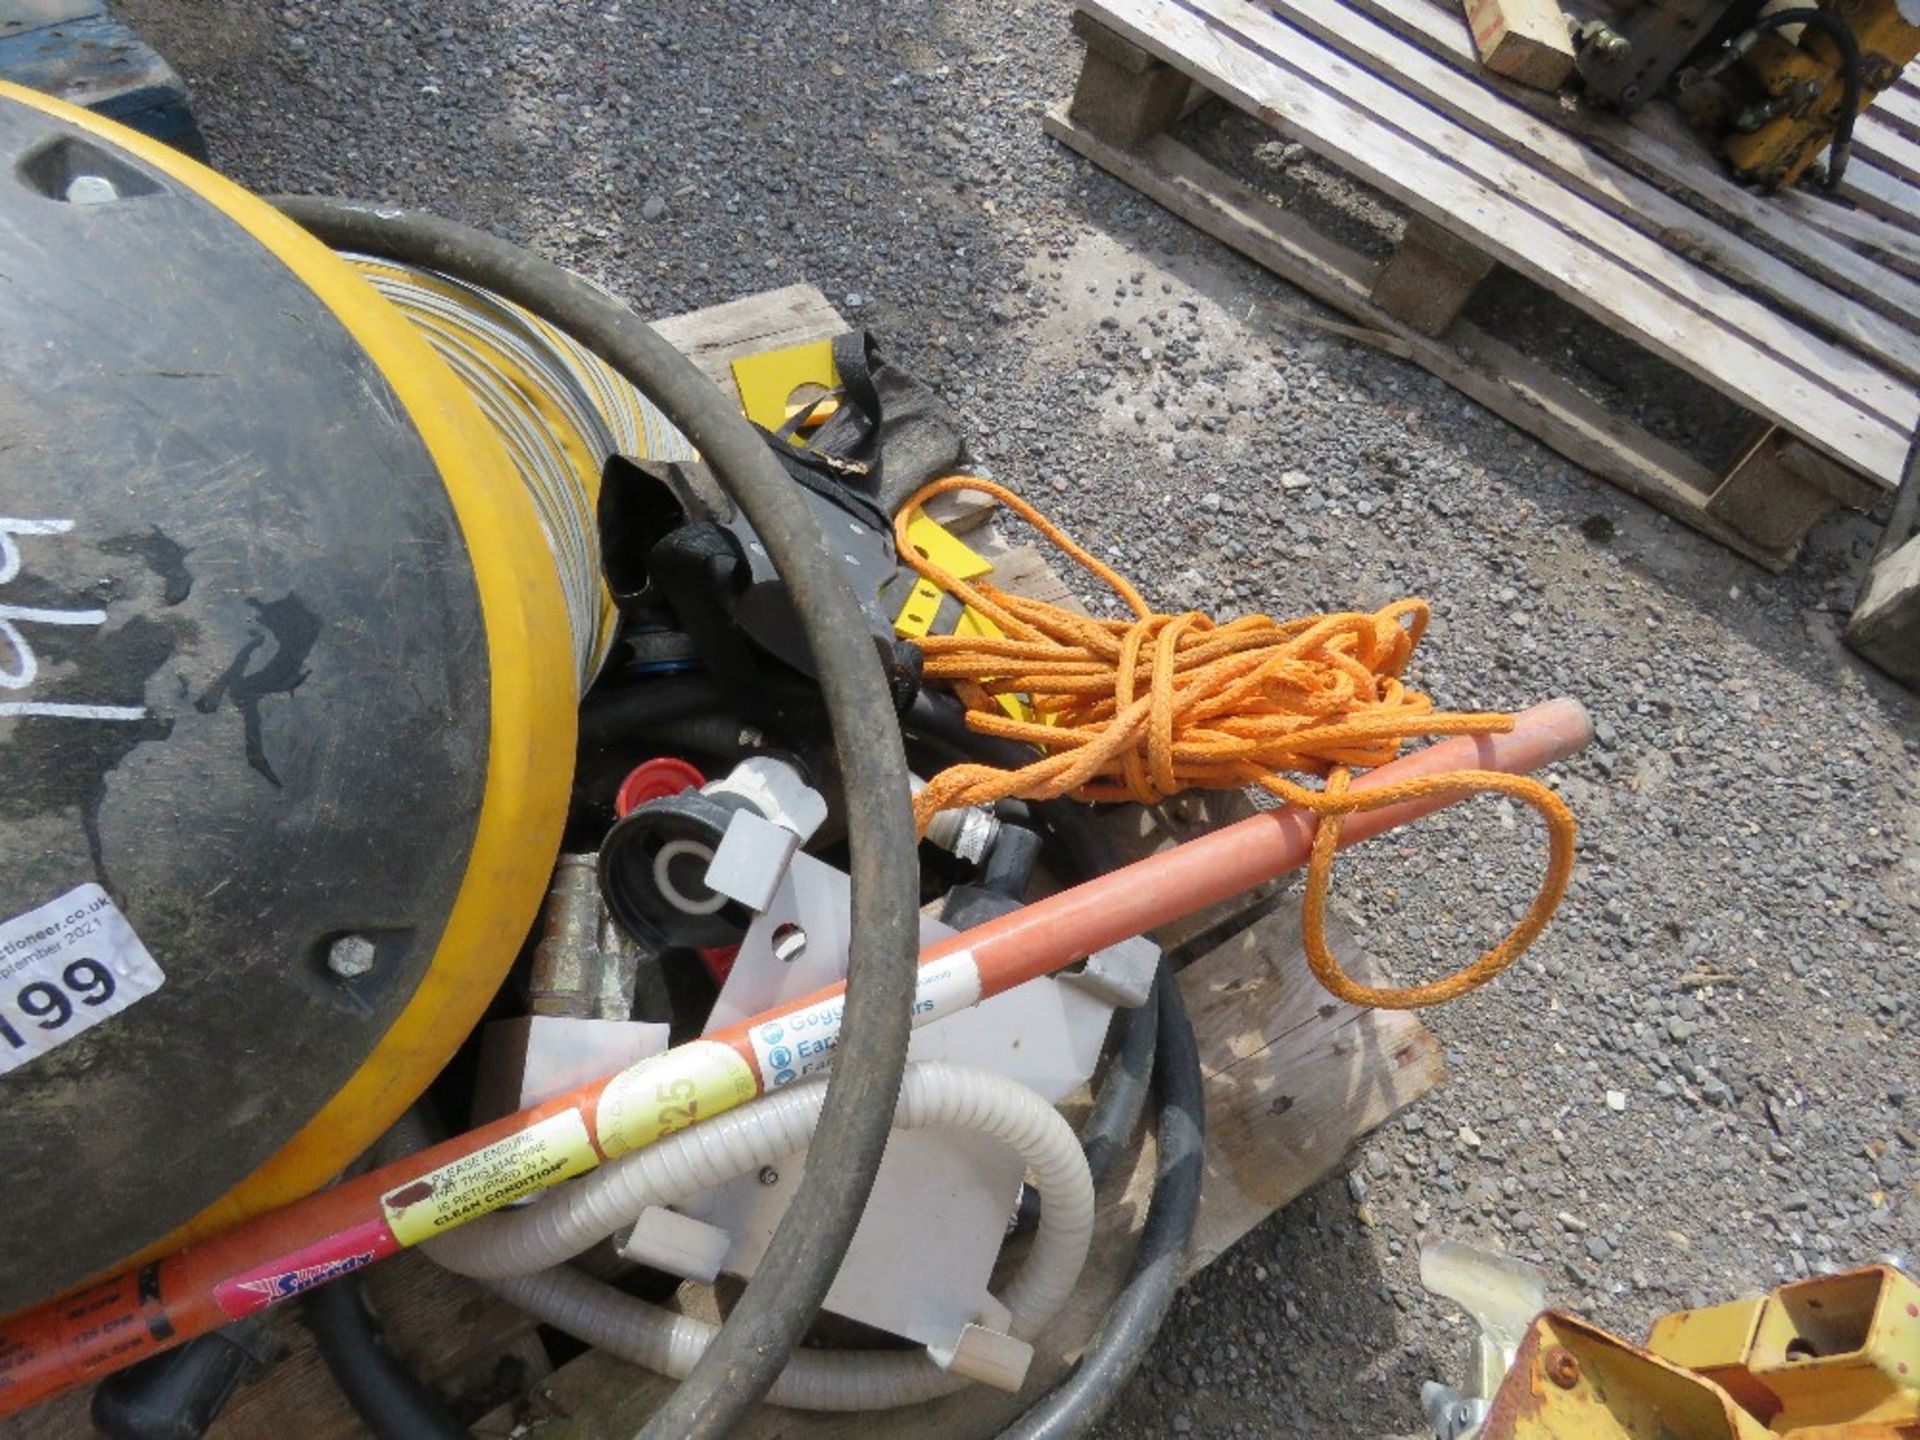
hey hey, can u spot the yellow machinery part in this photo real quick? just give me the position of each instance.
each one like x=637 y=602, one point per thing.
x=1834 y=1357
x=775 y=385
x=1573 y=1381
x=559 y=410
x=533 y=703
x=934 y=542
x=1779 y=152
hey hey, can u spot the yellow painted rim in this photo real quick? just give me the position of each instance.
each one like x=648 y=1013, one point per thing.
x=533 y=711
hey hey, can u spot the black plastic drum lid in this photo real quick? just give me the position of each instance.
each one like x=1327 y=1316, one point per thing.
x=243 y=689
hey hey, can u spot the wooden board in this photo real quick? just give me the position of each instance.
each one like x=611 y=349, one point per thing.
x=1443 y=82
x=796 y=315
x=1472 y=361
x=719 y=335
x=1881 y=192
x=1886 y=249
x=1411 y=152
x=1656 y=147
x=1524 y=40
x=1293 y=1079
x=1886 y=624
x=1887 y=146
x=1899 y=109
x=1886 y=619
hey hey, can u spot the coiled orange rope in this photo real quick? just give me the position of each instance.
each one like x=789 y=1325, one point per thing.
x=1144 y=708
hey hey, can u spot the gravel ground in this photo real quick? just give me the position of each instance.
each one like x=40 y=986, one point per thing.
x=1704 y=1080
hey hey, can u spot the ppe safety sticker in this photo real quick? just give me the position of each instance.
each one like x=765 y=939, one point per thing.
x=64 y=968
x=801 y=1043
x=543 y=1154
x=669 y=1092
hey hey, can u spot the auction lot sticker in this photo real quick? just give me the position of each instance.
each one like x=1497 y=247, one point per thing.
x=64 y=968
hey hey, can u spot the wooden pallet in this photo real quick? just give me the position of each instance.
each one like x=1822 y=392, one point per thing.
x=1634 y=225
x=1293 y=1079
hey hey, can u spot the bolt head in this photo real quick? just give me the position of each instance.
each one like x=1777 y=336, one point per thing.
x=350 y=957
x=91 y=190
x=1562 y=1367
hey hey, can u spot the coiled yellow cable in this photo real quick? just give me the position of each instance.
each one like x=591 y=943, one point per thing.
x=560 y=411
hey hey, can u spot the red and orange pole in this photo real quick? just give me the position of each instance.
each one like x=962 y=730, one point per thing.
x=107 y=1326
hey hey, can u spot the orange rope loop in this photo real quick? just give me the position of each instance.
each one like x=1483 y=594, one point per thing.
x=1142 y=709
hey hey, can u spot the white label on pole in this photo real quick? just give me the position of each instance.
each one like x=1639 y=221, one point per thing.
x=801 y=1043
x=64 y=968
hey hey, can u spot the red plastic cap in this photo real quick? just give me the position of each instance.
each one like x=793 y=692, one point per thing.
x=719 y=961
x=655 y=780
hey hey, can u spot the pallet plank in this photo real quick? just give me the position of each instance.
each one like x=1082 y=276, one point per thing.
x=1886 y=623
x=1467 y=99
x=1467 y=185
x=1675 y=160
x=1887 y=249
x=1481 y=367
x=1666 y=124
x=1293 y=1078
x=1879 y=193
x=1886 y=146
x=1568 y=222
x=717 y=336
x=1901 y=111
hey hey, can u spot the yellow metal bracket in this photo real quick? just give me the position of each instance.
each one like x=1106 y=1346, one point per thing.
x=777 y=385
x=1834 y=1357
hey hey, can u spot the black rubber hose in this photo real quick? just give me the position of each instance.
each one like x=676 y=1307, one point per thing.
x=1121 y=1099
x=1010 y=864
x=609 y=716
x=1841 y=33
x=389 y=1399
x=806 y=1250
x=722 y=737
x=1072 y=1408
x=1119 y=1102
x=382 y=1391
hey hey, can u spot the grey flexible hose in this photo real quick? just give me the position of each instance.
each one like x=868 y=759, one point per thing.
x=766 y=1326
x=523 y=1253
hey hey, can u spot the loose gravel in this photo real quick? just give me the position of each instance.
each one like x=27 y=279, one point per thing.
x=1705 y=1080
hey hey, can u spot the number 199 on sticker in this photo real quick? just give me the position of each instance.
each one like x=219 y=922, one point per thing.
x=51 y=1005
x=65 y=967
